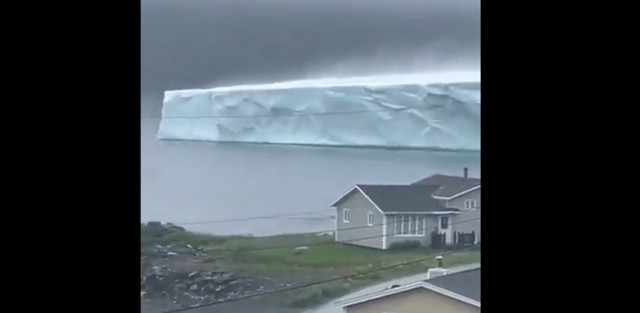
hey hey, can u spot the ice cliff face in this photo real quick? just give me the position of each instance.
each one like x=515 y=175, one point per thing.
x=403 y=111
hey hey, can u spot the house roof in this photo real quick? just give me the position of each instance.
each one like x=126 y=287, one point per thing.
x=465 y=283
x=403 y=198
x=463 y=286
x=450 y=186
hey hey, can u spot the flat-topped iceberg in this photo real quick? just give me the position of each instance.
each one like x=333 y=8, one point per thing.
x=438 y=110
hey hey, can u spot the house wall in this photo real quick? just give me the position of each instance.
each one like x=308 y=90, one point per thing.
x=468 y=220
x=414 y=301
x=431 y=223
x=458 y=203
x=359 y=206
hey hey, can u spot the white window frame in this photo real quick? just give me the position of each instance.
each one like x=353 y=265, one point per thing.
x=346 y=216
x=470 y=204
x=370 y=218
x=399 y=227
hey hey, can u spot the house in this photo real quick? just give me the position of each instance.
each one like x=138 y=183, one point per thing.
x=439 y=209
x=450 y=293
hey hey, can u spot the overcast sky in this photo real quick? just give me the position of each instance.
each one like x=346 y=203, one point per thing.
x=206 y=43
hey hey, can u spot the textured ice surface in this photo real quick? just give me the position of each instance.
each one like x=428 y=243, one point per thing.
x=398 y=111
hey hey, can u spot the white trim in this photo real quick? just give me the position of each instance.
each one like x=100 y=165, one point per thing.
x=458 y=194
x=373 y=218
x=425 y=213
x=471 y=201
x=335 y=232
x=411 y=217
x=333 y=204
x=448 y=232
x=362 y=192
x=390 y=292
x=384 y=232
x=344 y=212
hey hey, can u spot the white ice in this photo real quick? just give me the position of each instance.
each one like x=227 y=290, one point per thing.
x=437 y=110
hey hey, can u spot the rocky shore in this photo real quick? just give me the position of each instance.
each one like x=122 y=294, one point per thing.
x=187 y=275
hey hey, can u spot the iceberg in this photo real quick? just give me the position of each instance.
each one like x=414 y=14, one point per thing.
x=436 y=110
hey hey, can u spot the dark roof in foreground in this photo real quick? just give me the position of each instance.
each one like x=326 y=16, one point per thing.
x=449 y=185
x=465 y=283
x=403 y=198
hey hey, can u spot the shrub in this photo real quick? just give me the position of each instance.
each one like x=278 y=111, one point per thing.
x=333 y=292
x=308 y=300
x=404 y=245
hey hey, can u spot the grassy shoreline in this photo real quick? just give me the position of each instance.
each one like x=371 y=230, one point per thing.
x=275 y=257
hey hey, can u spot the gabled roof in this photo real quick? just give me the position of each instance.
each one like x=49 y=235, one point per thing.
x=403 y=198
x=463 y=286
x=450 y=186
x=399 y=198
x=465 y=283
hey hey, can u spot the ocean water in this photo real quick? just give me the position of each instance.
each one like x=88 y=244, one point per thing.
x=196 y=182
x=204 y=43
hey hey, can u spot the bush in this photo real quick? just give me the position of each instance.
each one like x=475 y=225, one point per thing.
x=404 y=245
x=308 y=300
x=334 y=292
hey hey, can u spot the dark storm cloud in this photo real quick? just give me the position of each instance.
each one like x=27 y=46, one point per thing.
x=196 y=43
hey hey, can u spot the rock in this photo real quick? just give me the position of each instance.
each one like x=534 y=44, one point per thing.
x=300 y=250
x=193 y=287
x=193 y=274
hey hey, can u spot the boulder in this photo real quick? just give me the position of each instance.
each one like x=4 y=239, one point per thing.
x=300 y=250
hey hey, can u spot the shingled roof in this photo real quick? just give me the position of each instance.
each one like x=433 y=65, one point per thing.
x=449 y=185
x=463 y=286
x=465 y=283
x=401 y=198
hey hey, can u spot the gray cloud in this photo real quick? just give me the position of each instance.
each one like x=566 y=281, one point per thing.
x=196 y=43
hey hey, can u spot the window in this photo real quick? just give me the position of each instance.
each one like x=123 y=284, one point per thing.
x=414 y=225
x=409 y=225
x=370 y=219
x=444 y=222
x=346 y=216
x=470 y=204
x=405 y=224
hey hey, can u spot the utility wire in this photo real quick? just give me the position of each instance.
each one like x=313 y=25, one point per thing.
x=251 y=249
x=295 y=114
x=264 y=217
x=320 y=282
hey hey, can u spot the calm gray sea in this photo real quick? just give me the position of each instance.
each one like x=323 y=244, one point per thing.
x=196 y=43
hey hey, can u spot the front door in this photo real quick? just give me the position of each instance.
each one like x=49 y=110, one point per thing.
x=444 y=228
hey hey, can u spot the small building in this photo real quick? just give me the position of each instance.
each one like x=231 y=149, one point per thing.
x=437 y=210
x=450 y=293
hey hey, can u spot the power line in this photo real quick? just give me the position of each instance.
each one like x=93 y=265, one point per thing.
x=349 y=240
x=306 y=285
x=246 y=249
x=322 y=281
x=249 y=218
x=242 y=219
x=296 y=114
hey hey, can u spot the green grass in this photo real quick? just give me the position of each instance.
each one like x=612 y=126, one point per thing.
x=324 y=259
x=318 y=295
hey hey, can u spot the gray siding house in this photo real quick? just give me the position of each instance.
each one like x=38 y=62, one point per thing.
x=376 y=216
